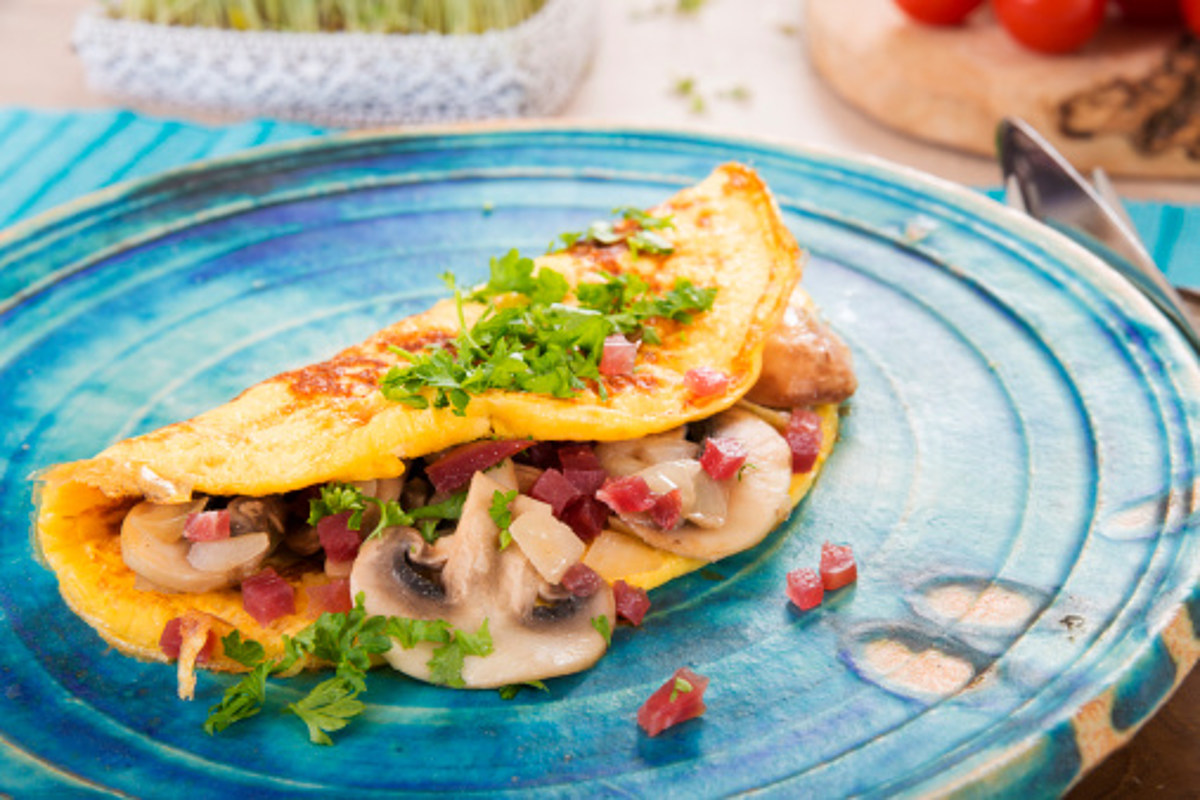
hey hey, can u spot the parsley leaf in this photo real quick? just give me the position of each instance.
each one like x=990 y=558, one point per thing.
x=337 y=498
x=247 y=653
x=603 y=627
x=501 y=514
x=511 y=690
x=328 y=707
x=446 y=663
x=242 y=700
x=409 y=632
x=681 y=687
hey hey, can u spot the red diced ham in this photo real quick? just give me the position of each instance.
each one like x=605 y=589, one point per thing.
x=632 y=603
x=578 y=455
x=581 y=580
x=453 y=471
x=628 y=495
x=805 y=589
x=207 y=526
x=667 y=511
x=553 y=488
x=619 y=356
x=340 y=543
x=722 y=458
x=706 y=381
x=803 y=436
x=171 y=641
x=838 y=567
x=679 y=699
x=267 y=597
x=587 y=481
x=587 y=516
x=543 y=455
x=332 y=597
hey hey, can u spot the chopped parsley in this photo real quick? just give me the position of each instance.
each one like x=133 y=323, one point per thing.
x=338 y=498
x=531 y=341
x=501 y=514
x=347 y=641
x=681 y=687
x=642 y=237
x=511 y=690
x=603 y=627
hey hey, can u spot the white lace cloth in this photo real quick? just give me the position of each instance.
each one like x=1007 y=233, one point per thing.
x=345 y=79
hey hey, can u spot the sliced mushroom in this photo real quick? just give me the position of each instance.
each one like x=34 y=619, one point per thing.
x=804 y=361
x=166 y=564
x=537 y=630
x=757 y=501
x=629 y=456
x=257 y=515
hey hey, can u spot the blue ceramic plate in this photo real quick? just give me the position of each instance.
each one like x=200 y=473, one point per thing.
x=1016 y=475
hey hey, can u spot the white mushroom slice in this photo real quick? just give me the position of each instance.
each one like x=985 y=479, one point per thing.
x=710 y=506
x=166 y=564
x=237 y=555
x=634 y=455
x=164 y=521
x=465 y=579
x=551 y=546
x=757 y=502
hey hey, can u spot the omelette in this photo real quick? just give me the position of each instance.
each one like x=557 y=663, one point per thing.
x=654 y=395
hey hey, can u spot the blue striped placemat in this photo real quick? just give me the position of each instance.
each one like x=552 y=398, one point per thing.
x=48 y=158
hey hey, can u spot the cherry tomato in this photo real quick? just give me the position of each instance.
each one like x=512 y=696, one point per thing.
x=1149 y=12
x=1191 y=15
x=939 y=12
x=1051 y=26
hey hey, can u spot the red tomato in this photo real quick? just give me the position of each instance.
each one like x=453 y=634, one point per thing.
x=939 y=12
x=1191 y=15
x=1150 y=12
x=1051 y=26
x=838 y=567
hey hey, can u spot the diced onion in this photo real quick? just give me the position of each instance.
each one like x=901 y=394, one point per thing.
x=163 y=521
x=225 y=555
x=550 y=546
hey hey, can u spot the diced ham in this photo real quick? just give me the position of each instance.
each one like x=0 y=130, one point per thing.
x=587 y=516
x=207 y=526
x=632 y=603
x=667 y=511
x=723 y=457
x=679 y=699
x=555 y=490
x=543 y=455
x=340 y=543
x=838 y=567
x=619 y=356
x=628 y=495
x=453 y=471
x=803 y=436
x=706 y=381
x=804 y=588
x=581 y=580
x=267 y=597
x=578 y=455
x=332 y=597
x=587 y=481
x=171 y=641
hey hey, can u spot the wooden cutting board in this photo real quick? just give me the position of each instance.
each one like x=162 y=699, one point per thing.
x=1129 y=101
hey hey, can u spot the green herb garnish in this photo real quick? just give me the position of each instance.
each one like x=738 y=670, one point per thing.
x=603 y=627
x=641 y=238
x=681 y=687
x=513 y=689
x=532 y=341
x=346 y=641
x=501 y=514
x=337 y=498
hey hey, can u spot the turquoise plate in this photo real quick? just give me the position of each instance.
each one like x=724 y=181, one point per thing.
x=1016 y=474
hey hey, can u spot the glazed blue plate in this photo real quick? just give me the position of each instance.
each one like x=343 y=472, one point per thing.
x=1016 y=474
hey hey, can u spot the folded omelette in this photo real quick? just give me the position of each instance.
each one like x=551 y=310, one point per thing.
x=521 y=498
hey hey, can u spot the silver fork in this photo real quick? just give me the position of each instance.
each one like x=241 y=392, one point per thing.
x=1040 y=182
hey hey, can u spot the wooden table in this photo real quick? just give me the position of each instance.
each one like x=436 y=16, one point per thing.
x=726 y=46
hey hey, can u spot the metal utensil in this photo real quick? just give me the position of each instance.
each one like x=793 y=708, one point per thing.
x=1040 y=182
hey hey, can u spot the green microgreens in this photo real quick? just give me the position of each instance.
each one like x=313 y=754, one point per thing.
x=743 y=469
x=531 y=341
x=501 y=513
x=337 y=498
x=347 y=641
x=681 y=687
x=603 y=627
